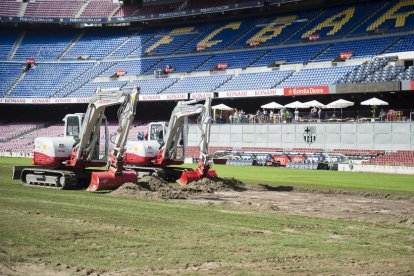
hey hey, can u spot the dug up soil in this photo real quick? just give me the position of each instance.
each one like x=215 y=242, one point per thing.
x=383 y=209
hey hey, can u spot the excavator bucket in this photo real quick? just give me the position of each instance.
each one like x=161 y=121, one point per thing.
x=110 y=180
x=190 y=176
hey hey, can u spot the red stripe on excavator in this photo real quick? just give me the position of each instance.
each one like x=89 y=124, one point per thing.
x=46 y=160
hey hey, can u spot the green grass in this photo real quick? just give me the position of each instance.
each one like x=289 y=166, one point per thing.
x=319 y=178
x=104 y=233
x=295 y=177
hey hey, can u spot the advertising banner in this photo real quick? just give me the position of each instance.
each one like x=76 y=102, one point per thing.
x=251 y=93
x=43 y=100
x=163 y=97
x=304 y=91
x=197 y=96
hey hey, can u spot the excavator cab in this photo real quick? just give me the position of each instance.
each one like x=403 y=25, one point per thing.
x=157 y=132
x=100 y=152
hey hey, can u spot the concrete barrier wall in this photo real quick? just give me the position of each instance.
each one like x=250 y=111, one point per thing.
x=375 y=169
x=383 y=136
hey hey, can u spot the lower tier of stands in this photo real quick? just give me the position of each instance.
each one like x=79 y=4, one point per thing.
x=19 y=138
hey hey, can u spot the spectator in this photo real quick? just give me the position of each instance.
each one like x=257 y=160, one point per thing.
x=241 y=115
x=313 y=112
x=296 y=115
x=390 y=115
x=140 y=136
x=319 y=112
x=259 y=116
x=231 y=118
x=235 y=115
x=265 y=116
x=288 y=116
x=382 y=115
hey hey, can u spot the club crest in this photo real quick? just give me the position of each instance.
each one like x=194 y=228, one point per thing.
x=309 y=135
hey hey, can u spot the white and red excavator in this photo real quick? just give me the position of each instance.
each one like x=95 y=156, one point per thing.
x=164 y=146
x=64 y=162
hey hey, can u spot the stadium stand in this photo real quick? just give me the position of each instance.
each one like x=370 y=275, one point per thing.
x=263 y=39
x=8 y=38
x=89 y=89
x=47 y=44
x=9 y=72
x=372 y=71
x=133 y=46
x=264 y=80
x=392 y=16
x=92 y=71
x=48 y=8
x=99 y=8
x=182 y=65
x=359 y=48
x=290 y=55
x=149 y=86
x=198 y=84
x=407 y=74
x=315 y=77
x=12 y=130
x=46 y=79
x=9 y=8
x=97 y=44
x=398 y=158
x=335 y=22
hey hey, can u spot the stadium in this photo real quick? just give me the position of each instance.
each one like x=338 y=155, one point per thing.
x=306 y=112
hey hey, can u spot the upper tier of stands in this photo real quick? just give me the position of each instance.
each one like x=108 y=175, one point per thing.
x=97 y=8
x=73 y=62
x=306 y=28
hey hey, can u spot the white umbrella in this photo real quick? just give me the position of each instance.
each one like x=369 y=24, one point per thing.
x=221 y=107
x=341 y=103
x=374 y=101
x=296 y=104
x=314 y=103
x=272 y=105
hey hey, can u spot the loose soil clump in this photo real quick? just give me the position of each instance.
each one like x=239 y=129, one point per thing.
x=151 y=187
x=211 y=185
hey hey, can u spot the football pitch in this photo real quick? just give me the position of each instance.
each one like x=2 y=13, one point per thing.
x=45 y=231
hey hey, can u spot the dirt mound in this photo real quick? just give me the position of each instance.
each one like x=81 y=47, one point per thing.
x=210 y=185
x=149 y=187
x=153 y=187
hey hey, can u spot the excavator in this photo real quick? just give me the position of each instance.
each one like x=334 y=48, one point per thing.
x=164 y=146
x=64 y=162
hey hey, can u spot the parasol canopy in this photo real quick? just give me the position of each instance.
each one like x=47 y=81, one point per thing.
x=341 y=103
x=221 y=107
x=374 y=101
x=272 y=105
x=314 y=103
x=296 y=104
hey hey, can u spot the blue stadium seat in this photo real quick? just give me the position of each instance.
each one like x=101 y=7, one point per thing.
x=198 y=84
x=316 y=76
x=47 y=78
x=46 y=44
x=9 y=72
x=250 y=81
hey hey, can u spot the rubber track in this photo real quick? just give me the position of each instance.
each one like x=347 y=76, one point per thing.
x=70 y=179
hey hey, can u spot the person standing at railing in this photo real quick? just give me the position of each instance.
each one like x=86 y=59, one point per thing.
x=382 y=115
x=296 y=115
